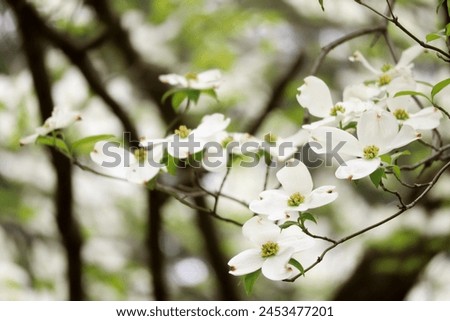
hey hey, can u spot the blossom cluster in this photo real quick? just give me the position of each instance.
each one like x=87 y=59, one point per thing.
x=373 y=119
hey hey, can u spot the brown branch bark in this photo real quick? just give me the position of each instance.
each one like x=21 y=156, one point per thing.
x=67 y=225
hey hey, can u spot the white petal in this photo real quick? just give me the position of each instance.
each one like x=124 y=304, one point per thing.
x=358 y=56
x=325 y=140
x=246 y=262
x=403 y=102
x=328 y=121
x=406 y=135
x=376 y=128
x=115 y=160
x=294 y=238
x=277 y=268
x=142 y=173
x=357 y=168
x=315 y=96
x=295 y=178
x=259 y=230
x=361 y=92
x=207 y=80
x=211 y=125
x=174 y=80
x=62 y=118
x=28 y=139
x=272 y=203
x=425 y=119
x=321 y=196
x=409 y=55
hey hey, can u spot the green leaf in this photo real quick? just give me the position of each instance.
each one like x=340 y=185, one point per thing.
x=85 y=145
x=397 y=155
x=321 y=5
x=287 y=224
x=307 y=217
x=396 y=170
x=447 y=29
x=386 y=158
x=432 y=36
x=249 y=281
x=170 y=162
x=439 y=86
x=178 y=98
x=210 y=92
x=411 y=93
x=151 y=184
x=193 y=95
x=377 y=176
x=297 y=265
x=55 y=142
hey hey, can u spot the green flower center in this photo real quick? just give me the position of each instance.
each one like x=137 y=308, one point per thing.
x=384 y=79
x=386 y=67
x=140 y=154
x=370 y=152
x=182 y=131
x=226 y=141
x=270 y=138
x=337 y=109
x=296 y=199
x=269 y=249
x=191 y=76
x=401 y=114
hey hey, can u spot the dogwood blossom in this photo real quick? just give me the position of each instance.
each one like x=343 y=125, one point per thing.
x=139 y=167
x=406 y=111
x=185 y=141
x=296 y=194
x=378 y=133
x=274 y=247
x=315 y=95
x=60 y=118
x=209 y=79
x=387 y=72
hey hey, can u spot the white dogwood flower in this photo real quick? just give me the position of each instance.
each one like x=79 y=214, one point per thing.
x=378 y=134
x=209 y=79
x=274 y=248
x=387 y=72
x=405 y=110
x=60 y=118
x=315 y=95
x=139 y=167
x=296 y=194
x=185 y=141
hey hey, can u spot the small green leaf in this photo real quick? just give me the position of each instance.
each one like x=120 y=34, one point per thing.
x=210 y=92
x=178 y=98
x=386 y=158
x=432 y=36
x=151 y=184
x=170 y=162
x=55 y=142
x=439 y=86
x=397 y=155
x=86 y=145
x=297 y=265
x=377 y=176
x=447 y=29
x=249 y=281
x=287 y=224
x=396 y=170
x=306 y=216
x=193 y=95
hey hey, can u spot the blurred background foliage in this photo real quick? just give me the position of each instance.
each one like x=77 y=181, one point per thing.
x=264 y=48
